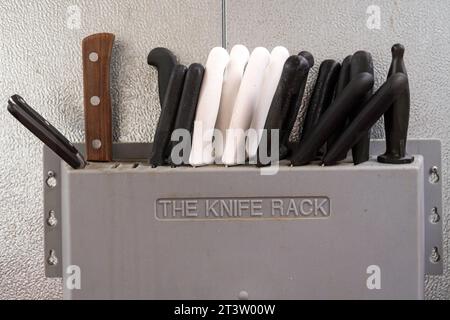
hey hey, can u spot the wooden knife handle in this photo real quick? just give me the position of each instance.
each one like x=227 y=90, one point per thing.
x=97 y=51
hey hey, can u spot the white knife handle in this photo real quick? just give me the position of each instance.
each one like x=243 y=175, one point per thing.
x=232 y=81
x=208 y=108
x=271 y=80
x=234 y=152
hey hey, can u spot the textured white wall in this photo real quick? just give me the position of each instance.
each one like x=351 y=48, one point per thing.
x=40 y=59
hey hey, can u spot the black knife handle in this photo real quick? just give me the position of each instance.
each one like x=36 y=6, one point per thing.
x=293 y=112
x=344 y=79
x=362 y=62
x=308 y=56
x=371 y=112
x=396 y=119
x=19 y=102
x=322 y=95
x=286 y=97
x=188 y=107
x=164 y=61
x=161 y=144
x=344 y=76
x=40 y=128
x=350 y=98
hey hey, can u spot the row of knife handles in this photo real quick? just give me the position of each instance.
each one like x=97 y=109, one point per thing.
x=325 y=118
x=341 y=92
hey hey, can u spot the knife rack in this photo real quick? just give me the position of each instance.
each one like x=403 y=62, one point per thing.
x=227 y=233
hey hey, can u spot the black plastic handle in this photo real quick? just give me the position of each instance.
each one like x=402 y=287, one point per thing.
x=344 y=79
x=164 y=61
x=371 y=112
x=23 y=105
x=286 y=98
x=351 y=98
x=188 y=107
x=45 y=132
x=396 y=119
x=322 y=96
x=294 y=112
x=362 y=62
x=161 y=144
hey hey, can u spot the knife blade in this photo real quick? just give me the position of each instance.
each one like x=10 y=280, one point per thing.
x=351 y=98
x=161 y=145
x=97 y=51
x=371 y=112
x=396 y=119
x=361 y=62
x=234 y=72
x=164 y=61
x=286 y=97
x=235 y=151
x=187 y=110
x=208 y=108
x=272 y=76
x=45 y=132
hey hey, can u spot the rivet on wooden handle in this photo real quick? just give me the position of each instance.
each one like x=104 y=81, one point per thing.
x=97 y=51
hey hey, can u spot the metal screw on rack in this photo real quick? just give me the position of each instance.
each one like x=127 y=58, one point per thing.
x=52 y=259
x=434 y=175
x=52 y=221
x=435 y=256
x=435 y=217
x=51 y=180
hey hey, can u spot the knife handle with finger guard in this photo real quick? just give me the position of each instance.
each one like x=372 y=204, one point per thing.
x=164 y=61
x=97 y=51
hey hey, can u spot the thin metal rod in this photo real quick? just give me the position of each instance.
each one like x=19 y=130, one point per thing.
x=224 y=23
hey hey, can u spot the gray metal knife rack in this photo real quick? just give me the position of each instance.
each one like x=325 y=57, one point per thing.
x=232 y=233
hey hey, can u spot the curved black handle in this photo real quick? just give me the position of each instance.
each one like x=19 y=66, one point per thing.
x=188 y=108
x=293 y=112
x=164 y=61
x=371 y=112
x=161 y=144
x=351 y=98
x=344 y=79
x=285 y=99
x=20 y=103
x=322 y=96
x=45 y=132
x=362 y=62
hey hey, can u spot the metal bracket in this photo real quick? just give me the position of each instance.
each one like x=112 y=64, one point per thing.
x=52 y=214
x=52 y=199
x=432 y=154
x=136 y=152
